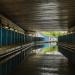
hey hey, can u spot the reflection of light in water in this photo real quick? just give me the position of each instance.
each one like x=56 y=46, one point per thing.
x=38 y=50
x=49 y=48
x=53 y=43
x=54 y=70
x=55 y=53
x=49 y=69
x=49 y=74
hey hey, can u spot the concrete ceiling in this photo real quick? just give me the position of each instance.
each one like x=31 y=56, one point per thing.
x=45 y=15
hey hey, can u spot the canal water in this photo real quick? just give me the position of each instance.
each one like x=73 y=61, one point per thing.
x=48 y=48
x=46 y=61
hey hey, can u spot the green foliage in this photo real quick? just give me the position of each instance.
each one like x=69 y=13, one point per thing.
x=53 y=34
x=50 y=49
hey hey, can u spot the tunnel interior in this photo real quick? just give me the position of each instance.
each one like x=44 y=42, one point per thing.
x=37 y=37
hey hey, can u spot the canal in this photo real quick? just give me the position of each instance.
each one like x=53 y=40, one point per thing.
x=47 y=60
x=48 y=48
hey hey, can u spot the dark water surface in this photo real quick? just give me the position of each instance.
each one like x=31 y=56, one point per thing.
x=48 y=62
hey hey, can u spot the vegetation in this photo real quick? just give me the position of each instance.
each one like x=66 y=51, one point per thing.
x=50 y=49
x=53 y=33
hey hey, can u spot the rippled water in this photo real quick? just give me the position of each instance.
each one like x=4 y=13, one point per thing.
x=48 y=48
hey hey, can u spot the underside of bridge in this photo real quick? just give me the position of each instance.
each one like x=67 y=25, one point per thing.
x=40 y=15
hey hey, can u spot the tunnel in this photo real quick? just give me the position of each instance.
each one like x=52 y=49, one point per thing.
x=37 y=37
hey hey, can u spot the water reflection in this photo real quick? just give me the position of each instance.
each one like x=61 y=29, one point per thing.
x=48 y=48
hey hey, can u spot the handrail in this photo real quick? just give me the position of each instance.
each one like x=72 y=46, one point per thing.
x=67 y=48
x=4 y=57
x=5 y=60
x=14 y=49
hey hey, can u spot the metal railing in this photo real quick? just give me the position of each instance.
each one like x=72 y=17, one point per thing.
x=10 y=60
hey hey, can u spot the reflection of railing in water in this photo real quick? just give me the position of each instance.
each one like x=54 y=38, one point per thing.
x=8 y=61
x=66 y=45
x=46 y=41
x=46 y=47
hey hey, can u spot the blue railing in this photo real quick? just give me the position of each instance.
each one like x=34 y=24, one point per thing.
x=66 y=46
x=9 y=61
